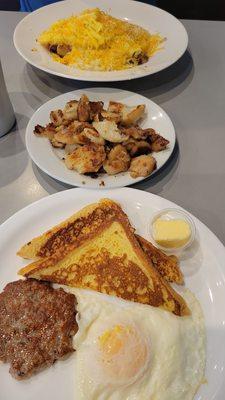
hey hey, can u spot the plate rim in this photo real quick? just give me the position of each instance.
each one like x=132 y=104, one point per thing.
x=98 y=89
x=137 y=74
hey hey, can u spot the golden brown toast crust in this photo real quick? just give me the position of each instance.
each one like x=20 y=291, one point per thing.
x=73 y=231
x=166 y=265
x=130 y=276
x=133 y=287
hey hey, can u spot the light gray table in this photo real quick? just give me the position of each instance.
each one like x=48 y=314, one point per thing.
x=192 y=92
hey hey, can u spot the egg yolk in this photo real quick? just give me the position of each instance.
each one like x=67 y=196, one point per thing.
x=123 y=352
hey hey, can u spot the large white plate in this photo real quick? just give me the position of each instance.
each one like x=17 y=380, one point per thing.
x=203 y=269
x=48 y=159
x=151 y=18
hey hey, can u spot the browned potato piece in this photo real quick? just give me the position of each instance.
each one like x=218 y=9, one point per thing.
x=142 y=166
x=111 y=116
x=109 y=131
x=87 y=158
x=129 y=115
x=47 y=131
x=57 y=117
x=57 y=144
x=135 y=132
x=73 y=133
x=118 y=160
x=159 y=144
x=83 y=109
x=70 y=110
x=96 y=108
x=93 y=136
x=137 y=147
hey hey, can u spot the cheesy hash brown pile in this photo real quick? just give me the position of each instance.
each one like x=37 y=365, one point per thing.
x=94 y=40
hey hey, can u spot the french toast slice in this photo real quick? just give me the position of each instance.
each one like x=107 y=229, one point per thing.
x=167 y=266
x=71 y=232
x=108 y=259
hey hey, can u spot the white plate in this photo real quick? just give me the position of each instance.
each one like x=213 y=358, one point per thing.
x=48 y=159
x=203 y=270
x=151 y=18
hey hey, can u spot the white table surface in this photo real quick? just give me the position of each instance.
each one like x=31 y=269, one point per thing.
x=192 y=92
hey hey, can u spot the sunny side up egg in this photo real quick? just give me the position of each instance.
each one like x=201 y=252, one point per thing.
x=129 y=351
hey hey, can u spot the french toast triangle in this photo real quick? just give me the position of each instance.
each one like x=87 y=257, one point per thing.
x=166 y=265
x=97 y=249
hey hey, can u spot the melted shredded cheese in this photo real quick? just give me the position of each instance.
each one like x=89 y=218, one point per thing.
x=99 y=41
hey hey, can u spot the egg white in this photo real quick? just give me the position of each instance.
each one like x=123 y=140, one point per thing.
x=174 y=368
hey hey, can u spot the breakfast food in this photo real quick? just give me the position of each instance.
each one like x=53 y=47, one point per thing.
x=101 y=140
x=37 y=323
x=134 y=336
x=167 y=266
x=97 y=249
x=134 y=351
x=95 y=40
x=171 y=233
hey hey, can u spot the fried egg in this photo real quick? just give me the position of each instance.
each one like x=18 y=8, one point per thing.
x=130 y=351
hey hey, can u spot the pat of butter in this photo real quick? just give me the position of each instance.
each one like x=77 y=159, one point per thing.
x=173 y=233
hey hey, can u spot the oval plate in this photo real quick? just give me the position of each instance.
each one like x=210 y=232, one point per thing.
x=149 y=17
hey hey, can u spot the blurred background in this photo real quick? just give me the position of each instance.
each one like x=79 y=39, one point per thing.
x=189 y=9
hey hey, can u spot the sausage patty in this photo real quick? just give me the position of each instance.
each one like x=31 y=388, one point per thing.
x=37 y=323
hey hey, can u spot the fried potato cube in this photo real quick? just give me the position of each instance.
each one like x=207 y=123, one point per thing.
x=73 y=133
x=118 y=160
x=111 y=116
x=57 y=117
x=70 y=110
x=159 y=144
x=47 y=131
x=129 y=115
x=83 y=109
x=87 y=158
x=109 y=131
x=135 y=132
x=93 y=136
x=142 y=166
x=96 y=108
x=137 y=147
x=56 y=144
